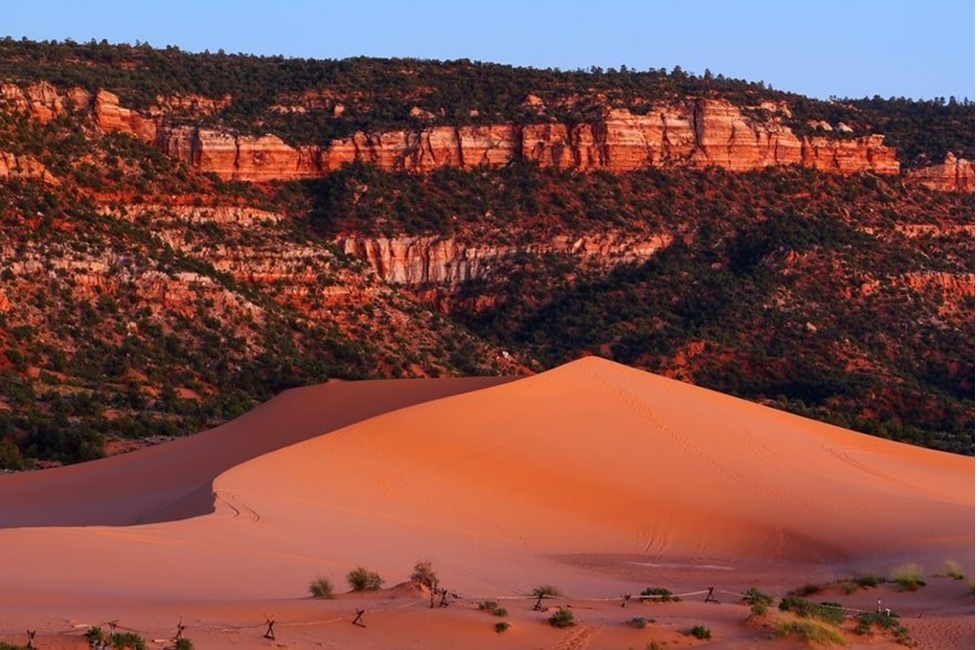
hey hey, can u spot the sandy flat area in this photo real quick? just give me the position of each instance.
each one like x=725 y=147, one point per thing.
x=594 y=477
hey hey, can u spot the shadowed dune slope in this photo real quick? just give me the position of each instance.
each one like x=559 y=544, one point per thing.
x=595 y=457
x=173 y=481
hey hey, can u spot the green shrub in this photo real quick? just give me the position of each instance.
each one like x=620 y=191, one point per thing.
x=701 y=632
x=759 y=609
x=869 y=580
x=127 y=640
x=826 y=611
x=953 y=569
x=908 y=577
x=501 y=627
x=425 y=575
x=362 y=579
x=493 y=608
x=183 y=644
x=886 y=623
x=7 y=646
x=811 y=631
x=95 y=635
x=805 y=590
x=755 y=597
x=547 y=591
x=321 y=587
x=639 y=622
x=657 y=595
x=563 y=617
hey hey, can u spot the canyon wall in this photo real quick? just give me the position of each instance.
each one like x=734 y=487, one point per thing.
x=416 y=261
x=694 y=132
x=953 y=175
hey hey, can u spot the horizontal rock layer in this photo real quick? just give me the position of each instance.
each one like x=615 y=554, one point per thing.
x=953 y=175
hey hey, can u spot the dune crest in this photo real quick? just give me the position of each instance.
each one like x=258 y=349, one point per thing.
x=595 y=457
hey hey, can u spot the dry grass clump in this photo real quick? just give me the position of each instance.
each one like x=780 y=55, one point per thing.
x=908 y=577
x=952 y=569
x=546 y=591
x=501 y=627
x=886 y=623
x=493 y=608
x=424 y=574
x=657 y=595
x=810 y=630
x=562 y=618
x=321 y=587
x=362 y=579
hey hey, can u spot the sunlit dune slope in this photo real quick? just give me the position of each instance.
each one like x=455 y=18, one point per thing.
x=595 y=457
x=173 y=481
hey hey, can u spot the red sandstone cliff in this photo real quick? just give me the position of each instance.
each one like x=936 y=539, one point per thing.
x=953 y=175
x=696 y=132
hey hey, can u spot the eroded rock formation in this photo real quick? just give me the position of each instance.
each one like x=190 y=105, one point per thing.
x=953 y=175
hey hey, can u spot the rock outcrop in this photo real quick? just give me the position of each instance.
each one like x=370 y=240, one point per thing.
x=695 y=132
x=417 y=261
x=24 y=167
x=953 y=175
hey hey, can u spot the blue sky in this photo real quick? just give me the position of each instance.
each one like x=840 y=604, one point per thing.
x=853 y=48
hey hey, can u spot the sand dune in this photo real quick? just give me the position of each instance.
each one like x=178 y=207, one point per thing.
x=594 y=476
x=173 y=481
x=595 y=457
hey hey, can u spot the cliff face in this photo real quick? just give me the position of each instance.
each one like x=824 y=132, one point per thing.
x=24 y=167
x=953 y=175
x=417 y=261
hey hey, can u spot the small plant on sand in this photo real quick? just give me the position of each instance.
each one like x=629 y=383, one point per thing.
x=654 y=645
x=127 y=641
x=183 y=644
x=493 y=608
x=908 y=577
x=886 y=623
x=806 y=590
x=424 y=574
x=501 y=627
x=639 y=622
x=657 y=595
x=869 y=580
x=563 y=617
x=826 y=611
x=546 y=591
x=759 y=609
x=755 y=596
x=6 y=646
x=952 y=569
x=700 y=632
x=95 y=636
x=361 y=579
x=811 y=631
x=321 y=587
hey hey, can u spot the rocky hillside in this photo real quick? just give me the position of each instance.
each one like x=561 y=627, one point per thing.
x=186 y=234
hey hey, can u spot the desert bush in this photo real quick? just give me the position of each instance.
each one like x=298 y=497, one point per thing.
x=754 y=596
x=547 y=591
x=701 y=632
x=493 y=608
x=7 y=646
x=424 y=574
x=952 y=569
x=657 y=595
x=501 y=627
x=826 y=611
x=127 y=640
x=759 y=609
x=811 y=631
x=887 y=623
x=563 y=617
x=95 y=635
x=321 y=587
x=806 y=590
x=908 y=577
x=869 y=580
x=362 y=579
x=639 y=622
x=183 y=644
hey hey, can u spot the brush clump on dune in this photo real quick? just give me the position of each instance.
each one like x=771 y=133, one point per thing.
x=321 y=587
x=363 y=579
x=908 y=577
x=425 y=575
x=562 y=618
x=952 y=569
x=810 y=630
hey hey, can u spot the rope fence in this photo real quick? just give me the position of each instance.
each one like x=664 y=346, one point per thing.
x=357 y=619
